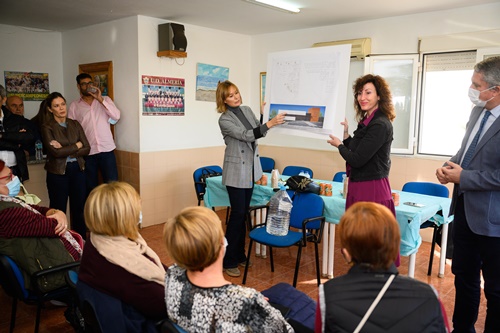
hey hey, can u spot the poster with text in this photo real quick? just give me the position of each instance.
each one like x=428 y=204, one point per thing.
x=27 y=85
x=310 y=85
x=162 y=96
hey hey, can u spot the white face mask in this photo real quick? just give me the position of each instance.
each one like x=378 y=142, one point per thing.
x=474 y=96
x=225 y=245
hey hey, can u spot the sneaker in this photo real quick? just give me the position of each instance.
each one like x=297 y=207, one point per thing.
x=233 y=272
x=243 y=263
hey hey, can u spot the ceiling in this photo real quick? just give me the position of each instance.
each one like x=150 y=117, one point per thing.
x=229 y=15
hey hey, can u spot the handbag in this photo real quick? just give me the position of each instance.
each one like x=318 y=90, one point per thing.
x=375 y=303
x=302 y=184
x=207 y=173
x=31 y=199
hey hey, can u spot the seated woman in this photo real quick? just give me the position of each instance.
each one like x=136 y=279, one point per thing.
x=198 y=297
x=22 y=226
x=117 y=261
x=369 y=236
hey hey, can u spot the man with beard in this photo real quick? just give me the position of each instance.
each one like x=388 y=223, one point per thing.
x=95 y=113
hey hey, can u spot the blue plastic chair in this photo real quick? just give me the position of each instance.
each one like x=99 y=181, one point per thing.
x=267 y=164
x=12 y=281
x=293 y=170
x=338 y=176
x=307 y=216
x=200 y=186
x=434 y=189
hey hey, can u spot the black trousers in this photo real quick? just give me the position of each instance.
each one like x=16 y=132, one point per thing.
x=70 y=186
x=239 y=199
x=473 y=254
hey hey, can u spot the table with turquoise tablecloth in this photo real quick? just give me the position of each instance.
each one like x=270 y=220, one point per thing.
x=409 y=218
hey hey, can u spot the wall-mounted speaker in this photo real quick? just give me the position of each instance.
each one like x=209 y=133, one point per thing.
x=171 y=37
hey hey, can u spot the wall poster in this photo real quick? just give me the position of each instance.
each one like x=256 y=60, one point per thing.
x=207 y=78
x=27 y=85
x=162 y=96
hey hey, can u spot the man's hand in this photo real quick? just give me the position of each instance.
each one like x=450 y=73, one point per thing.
x=450 y=173
x=97 y=95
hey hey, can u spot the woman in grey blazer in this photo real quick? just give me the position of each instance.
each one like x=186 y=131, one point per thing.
x=240 y=130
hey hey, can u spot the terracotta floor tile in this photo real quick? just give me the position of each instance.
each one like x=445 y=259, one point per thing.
x=259 y=277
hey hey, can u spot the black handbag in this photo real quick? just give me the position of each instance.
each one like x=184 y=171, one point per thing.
x=207 y=173
x=302 y=184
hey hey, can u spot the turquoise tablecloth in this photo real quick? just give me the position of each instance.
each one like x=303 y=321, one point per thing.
x=409 y=218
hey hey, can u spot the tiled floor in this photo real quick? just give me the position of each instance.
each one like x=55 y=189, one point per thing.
x=259 y=277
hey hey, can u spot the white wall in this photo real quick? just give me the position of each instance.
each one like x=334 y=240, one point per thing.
x=389 y=36
x=199 y=125
x=31 y=50
x=131 y=44
x=115 y=41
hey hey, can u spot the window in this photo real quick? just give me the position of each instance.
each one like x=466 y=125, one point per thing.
x=445 y=106
x=400 y=71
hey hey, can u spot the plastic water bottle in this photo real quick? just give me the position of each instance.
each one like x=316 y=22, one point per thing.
x=38 y=150
x=344 y=183
x=278 y=219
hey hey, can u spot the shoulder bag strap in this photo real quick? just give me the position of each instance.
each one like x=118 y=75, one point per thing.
x=374 y=304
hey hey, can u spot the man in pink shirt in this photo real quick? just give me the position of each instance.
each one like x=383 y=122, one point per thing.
x=95 y=113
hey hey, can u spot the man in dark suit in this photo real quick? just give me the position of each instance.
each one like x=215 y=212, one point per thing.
x=475 y=171
x=14 y=135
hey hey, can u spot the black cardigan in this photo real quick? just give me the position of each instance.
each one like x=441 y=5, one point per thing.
x=369 y=151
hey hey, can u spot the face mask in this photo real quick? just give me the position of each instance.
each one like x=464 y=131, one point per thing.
x=14 y=186
x=225 y=245
x=474 y=96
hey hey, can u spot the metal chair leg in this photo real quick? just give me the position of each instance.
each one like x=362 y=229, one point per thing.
x=38 y=312
x=297 y=264
x=248 y=262
x=272 y=259
x=317 y=263
x=13 y=315
x=433 y=246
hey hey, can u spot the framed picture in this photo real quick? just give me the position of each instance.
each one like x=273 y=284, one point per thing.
x=102 y=75
x=262 y=87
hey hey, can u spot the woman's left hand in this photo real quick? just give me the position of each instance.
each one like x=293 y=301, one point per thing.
x=55 y=144
x=334 y=141
x=62 y=221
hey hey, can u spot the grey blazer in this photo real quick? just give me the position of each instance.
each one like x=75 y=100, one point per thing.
x=239 y=157
x=480 y=182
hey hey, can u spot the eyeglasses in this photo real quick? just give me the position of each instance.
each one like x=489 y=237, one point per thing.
x=9 y=176
x=84 y=84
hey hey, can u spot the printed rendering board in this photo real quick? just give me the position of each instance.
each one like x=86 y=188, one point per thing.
x=310 y=85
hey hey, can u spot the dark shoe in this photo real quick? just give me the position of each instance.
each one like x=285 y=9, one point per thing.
x=233 y=272
x=243 y=263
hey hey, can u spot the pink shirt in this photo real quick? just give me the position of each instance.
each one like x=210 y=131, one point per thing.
x=94 y=119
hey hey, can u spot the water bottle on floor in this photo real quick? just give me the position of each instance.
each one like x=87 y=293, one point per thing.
x=38 y=150
x=278 y=219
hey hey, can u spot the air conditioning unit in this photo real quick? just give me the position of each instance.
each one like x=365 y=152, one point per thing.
x=360 y=47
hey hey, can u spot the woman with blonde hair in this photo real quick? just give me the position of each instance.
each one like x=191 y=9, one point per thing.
x=240 y=130
x=369 y=237
x=197 y=296
x=116 y=260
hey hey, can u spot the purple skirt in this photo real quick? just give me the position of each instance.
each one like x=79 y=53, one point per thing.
x=378 y=191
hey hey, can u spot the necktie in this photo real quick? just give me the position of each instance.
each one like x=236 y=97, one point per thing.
x=473 y=144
